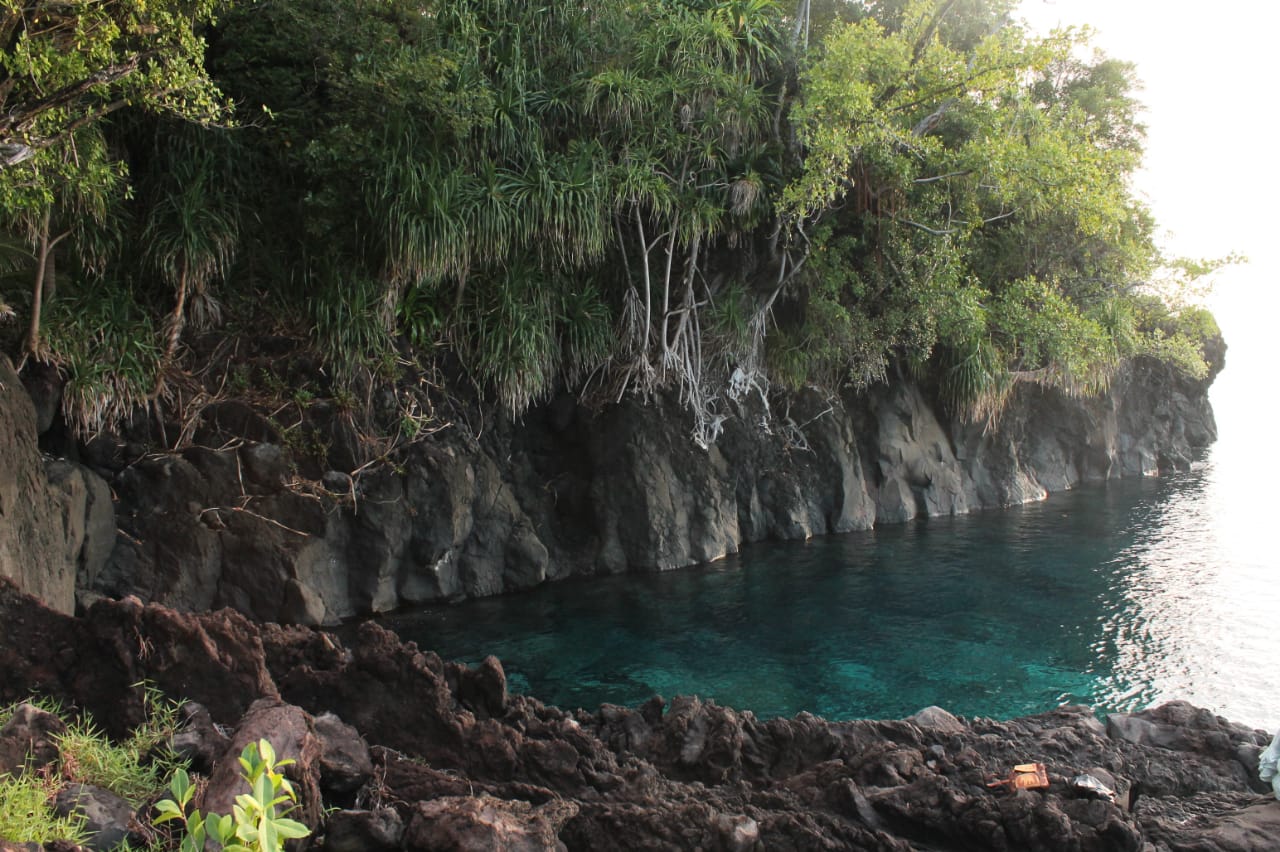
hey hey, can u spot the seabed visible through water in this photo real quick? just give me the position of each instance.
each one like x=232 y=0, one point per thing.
x=1117 y=596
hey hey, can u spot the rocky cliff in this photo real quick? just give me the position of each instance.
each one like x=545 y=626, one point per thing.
x=57 y=525
x=568 y=491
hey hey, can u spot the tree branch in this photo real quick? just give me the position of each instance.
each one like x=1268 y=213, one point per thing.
x=937 y=232
x=936 y=178
x=23 y=116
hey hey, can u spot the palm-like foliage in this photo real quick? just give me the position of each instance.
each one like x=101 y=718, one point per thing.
x=191 y=232
x=672 y=195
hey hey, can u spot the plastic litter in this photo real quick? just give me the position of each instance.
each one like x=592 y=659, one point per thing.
x=1025 y=776
x=1269 y=765
x=1088 y=785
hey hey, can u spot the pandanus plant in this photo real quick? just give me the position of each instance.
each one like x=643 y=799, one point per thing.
x=191 y=233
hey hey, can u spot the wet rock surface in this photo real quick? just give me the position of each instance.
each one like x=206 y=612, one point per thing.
x=457 y=762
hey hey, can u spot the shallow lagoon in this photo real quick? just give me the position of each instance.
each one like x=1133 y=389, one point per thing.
x=1117 y=596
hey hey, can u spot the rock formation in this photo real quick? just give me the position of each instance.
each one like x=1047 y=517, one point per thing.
x=399 y=750
x=57 y=524
x=565 y=492
x=571 y=492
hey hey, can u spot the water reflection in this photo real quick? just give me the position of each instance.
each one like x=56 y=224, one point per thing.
x=1116 y=597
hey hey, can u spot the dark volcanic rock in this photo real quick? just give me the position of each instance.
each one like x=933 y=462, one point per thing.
x=363 y=831
x=345 y=764
x=571 y=491
x=106 y=816
x=484 y=824
x=198 y=741
x=100 y=661
x=458 y=763
x=292 y=736
x=1221 y=825
x=29 y=740
x=56 y=519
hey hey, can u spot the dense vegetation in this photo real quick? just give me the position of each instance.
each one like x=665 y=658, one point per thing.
x=713 y=197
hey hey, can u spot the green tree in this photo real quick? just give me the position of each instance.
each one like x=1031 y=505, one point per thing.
x=65 y=67
x=192 y=226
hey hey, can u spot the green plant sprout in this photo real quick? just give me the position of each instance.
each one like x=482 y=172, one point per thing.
x=256 y=822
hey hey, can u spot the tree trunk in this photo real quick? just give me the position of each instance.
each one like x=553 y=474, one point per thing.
x=176 y=320
x=50 y=274
x=648 y=297
x=37 y=291
x=172 y=336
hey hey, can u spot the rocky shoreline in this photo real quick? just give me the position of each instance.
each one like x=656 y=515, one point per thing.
x=399 y=750
x=239 y=518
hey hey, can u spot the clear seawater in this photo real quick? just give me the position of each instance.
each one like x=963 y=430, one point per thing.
x=1118 y=596
x=1115 y=596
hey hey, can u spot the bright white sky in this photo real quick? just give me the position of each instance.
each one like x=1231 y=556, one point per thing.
x=1212 y=176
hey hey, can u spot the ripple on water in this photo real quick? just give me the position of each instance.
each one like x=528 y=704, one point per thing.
x=1116 y=596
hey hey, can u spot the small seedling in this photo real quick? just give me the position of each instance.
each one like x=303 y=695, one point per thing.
x=256 y=822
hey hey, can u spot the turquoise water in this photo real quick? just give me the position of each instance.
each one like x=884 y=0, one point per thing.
x=1116 y=596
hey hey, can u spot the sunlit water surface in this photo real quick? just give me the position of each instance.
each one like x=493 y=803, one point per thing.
x=1117 y=596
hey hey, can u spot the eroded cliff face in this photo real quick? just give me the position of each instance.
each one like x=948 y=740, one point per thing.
x=571 y=492
x=57 y=526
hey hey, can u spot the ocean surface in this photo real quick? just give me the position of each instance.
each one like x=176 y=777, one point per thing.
x=1118 y=596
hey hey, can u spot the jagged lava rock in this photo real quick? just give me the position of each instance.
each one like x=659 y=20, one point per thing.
x=461 y=764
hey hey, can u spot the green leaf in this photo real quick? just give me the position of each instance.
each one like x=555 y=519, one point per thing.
x=180 y=785
x=169 y=810
x=225 y=829
x=290 y=829
x=267 y=753
x=262 y=791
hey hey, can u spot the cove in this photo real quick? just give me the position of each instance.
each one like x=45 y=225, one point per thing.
x=1115 y=595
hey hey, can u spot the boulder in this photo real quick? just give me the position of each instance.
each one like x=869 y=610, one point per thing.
x=106 y=816
x=292 y=736
x=345 y=764
x=56 y=517
x=29 y=740
x=938 y=720
x=378 y=830
x=198 y=740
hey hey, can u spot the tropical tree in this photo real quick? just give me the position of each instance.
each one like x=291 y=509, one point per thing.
x=192 y=227
x=91 y=182
x=66 y=65
x=703 y=197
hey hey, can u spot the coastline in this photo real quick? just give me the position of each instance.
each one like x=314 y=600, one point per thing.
x=455 y=759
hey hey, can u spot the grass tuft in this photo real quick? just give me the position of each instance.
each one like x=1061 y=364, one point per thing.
x=26 y=814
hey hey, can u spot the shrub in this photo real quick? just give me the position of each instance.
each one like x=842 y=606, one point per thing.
x=256 y=823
